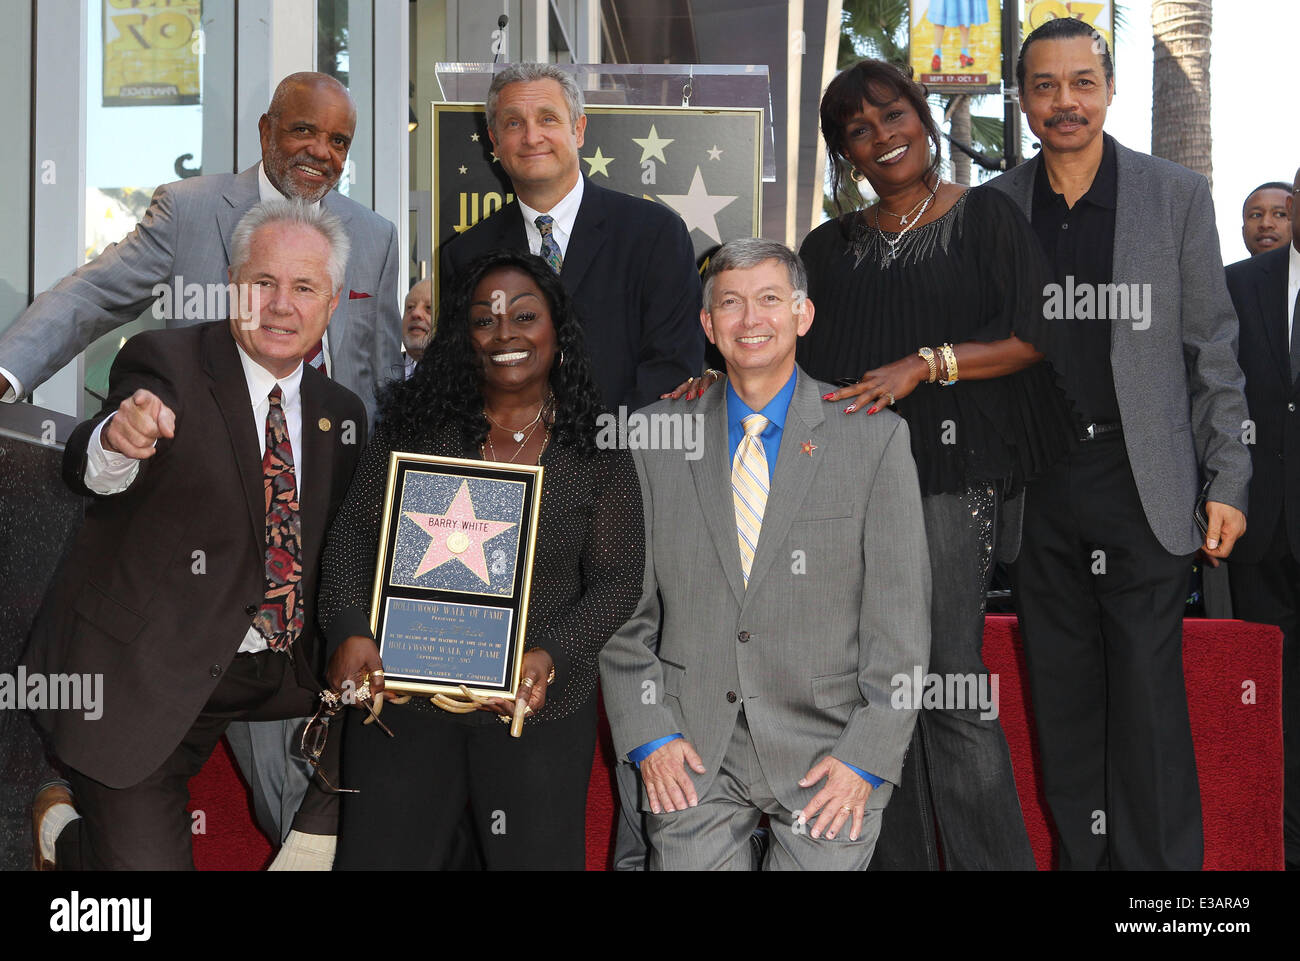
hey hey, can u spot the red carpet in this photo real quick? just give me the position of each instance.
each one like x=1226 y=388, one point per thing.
x=1238 y=745
x=1233 y=672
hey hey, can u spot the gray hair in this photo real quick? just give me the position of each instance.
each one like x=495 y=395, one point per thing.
x=746 y=252
x=298 y=213
x=529 y=73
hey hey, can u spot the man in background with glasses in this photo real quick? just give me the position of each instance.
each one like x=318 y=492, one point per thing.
x=215 y=468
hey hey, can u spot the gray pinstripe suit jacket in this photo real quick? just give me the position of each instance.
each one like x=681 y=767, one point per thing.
x=186 y=233
x=838 y=599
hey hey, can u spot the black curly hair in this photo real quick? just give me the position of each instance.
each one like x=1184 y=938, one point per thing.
x=446 y=387
x=877 y=83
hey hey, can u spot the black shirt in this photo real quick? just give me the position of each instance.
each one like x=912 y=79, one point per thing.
x=1080 y=246
x=976 y=273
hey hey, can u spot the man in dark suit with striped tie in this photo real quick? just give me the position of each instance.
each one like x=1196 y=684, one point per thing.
x=627 y=262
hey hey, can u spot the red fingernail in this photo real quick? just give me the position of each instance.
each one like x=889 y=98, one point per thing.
x=873 y=410
x=828 y=396
x=850 y=409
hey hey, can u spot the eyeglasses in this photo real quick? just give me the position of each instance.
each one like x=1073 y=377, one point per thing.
x=315 y=734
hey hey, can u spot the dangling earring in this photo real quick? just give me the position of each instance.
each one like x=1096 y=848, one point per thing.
x=561 y=363
x=858 y=175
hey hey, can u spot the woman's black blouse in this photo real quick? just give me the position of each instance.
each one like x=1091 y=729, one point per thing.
x=976 y=273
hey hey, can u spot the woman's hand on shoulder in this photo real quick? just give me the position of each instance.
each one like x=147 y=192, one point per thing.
x=883 y=386
x=693 y=387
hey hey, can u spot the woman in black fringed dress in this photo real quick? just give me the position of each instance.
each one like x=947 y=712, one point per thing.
x=936 y=283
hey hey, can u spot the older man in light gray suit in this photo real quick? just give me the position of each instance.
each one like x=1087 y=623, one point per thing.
x=790 y=569
x=182 y=246
x=184 y=239
x=1109 y=532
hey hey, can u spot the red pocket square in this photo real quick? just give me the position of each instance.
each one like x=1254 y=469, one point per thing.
x=356 y=295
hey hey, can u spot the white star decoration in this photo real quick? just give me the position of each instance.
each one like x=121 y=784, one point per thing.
x=697 y=208
x=715 y=153
x=474 y=137
x=464 y=169
x=652 y=145
x=598 y=162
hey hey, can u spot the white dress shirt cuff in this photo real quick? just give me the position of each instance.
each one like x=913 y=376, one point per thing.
x=108 y=472
x=15 y=388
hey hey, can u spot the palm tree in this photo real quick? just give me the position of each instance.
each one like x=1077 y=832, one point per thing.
x=874 y=28
x=1180 y=80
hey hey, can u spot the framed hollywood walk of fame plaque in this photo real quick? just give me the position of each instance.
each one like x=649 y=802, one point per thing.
x=456 y=547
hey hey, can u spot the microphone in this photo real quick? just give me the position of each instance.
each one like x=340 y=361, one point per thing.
x=499 y=40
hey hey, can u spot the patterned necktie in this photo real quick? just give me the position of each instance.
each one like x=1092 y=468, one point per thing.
x=550 y=249
x=280 y=618
x=749 y=489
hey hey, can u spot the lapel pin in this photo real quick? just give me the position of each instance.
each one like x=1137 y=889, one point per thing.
x=323 y=423
x=808 y=447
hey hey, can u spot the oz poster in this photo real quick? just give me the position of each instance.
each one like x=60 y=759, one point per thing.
x=151 y=52
x=1100 y=16
x=956 y=45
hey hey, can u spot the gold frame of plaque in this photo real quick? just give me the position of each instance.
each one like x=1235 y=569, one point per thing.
x=443 y=567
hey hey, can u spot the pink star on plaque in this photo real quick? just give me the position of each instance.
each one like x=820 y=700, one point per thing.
x=457 y=535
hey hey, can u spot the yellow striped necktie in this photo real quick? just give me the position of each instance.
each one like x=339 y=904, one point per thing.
x=749 y=489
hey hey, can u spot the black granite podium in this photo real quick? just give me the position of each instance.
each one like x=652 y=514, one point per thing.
x=38 y=516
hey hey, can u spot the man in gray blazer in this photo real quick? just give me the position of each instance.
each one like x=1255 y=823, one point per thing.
x=180 y=251
x=787 y=557
x=177 y=257
x=1147 y=351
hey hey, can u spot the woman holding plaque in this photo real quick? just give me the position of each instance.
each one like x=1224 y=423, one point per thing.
x=504 y=379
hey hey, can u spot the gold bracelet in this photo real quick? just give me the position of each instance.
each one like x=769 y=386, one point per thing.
x=950 y=364
x=927 y=355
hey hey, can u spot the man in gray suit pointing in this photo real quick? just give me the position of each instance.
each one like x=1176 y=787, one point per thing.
x=179 y=252
x=790 y=568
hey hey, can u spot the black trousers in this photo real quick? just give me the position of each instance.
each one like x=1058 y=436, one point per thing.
x=1101 y=605
x=146 y=826
x=1269 y=593
x=527 y=797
